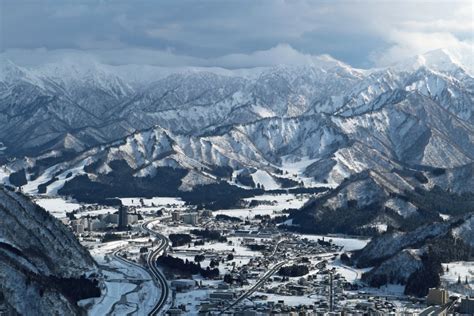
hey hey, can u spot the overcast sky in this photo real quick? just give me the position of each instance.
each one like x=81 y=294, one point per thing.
x=233 y=33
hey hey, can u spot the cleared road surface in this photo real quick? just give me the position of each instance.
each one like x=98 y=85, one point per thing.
x=157 y=274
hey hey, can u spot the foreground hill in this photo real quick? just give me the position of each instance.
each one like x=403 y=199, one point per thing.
x=414 y=258
x=42 y=265
x=372 y=202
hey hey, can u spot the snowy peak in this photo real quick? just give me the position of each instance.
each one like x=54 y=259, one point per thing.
x=439 y=60
x=340 y=120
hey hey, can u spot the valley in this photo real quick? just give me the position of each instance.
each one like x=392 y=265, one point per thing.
x=322 y=188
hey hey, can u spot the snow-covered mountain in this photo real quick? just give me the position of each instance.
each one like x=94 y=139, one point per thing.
x=314 y=125
x=414 y=258
x=77 y=104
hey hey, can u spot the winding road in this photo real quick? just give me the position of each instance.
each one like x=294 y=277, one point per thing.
x=157 y=274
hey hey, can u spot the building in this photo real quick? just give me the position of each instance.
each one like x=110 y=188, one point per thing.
x=123 y=217
x=79 y=228
x=467 y=306
x=222 y=295
x=110 y=218
x=437 y=297
x=132 y=218
x=183 y=284
x=174 y=311
x=175 y=216
x=190 y=218
x=95 y=224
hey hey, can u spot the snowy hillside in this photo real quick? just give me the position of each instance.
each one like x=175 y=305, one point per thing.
x=38 y=257
x=79 y=120
x=87 y=103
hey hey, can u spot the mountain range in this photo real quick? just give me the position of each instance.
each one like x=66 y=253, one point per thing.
x=386 y=152
x=78 y=124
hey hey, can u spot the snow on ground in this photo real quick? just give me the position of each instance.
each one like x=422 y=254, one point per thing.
x=65 y=176
x=57 y=206
x=128 y=287
x=191 y=300
x=154 y=201
x=297 y=167
x=445 y=217
x=236 y=245
x=386 y=290
x=115 y=290
x=4 y=174
x=244 y=213
x=402 y=207
x=172 y=228
x=100 y=251
x=289 y=300
x=283 y=201
x=262 y=112
x=263 y=178
x=279 y=203
x=106 y=210
x=454 y=271
x=32 y=186
x=351 y=274
x=349 y=243
x=242 y=254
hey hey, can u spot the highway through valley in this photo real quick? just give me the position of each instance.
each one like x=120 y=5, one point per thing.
x=163 y=244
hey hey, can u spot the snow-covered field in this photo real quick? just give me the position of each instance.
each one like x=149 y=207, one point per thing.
x=191 y=300
x=242 y=254
x=155 y=201
x=129 y=289
x=459 y=271
x=57 y=206
x=105 y=210
x=351 y=274
x=297 y=168
x=289 y=300
x=263 y=178
x=279 y=203
x=349 y=243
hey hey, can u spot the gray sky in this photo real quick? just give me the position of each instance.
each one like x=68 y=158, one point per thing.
x=232 y=33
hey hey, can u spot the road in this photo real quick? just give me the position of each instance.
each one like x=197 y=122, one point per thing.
x=439 y=310
x=262 y=280
x=157 y=274
x=258 y=284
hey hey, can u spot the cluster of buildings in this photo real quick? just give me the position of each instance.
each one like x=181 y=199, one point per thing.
x=190 y=218
x=440 y=303
x=257 y=233
x=121 y=219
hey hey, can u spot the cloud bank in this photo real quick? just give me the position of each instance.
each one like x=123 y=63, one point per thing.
x=233 y=34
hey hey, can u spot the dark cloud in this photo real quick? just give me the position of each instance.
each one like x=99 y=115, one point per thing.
x=358 y=32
